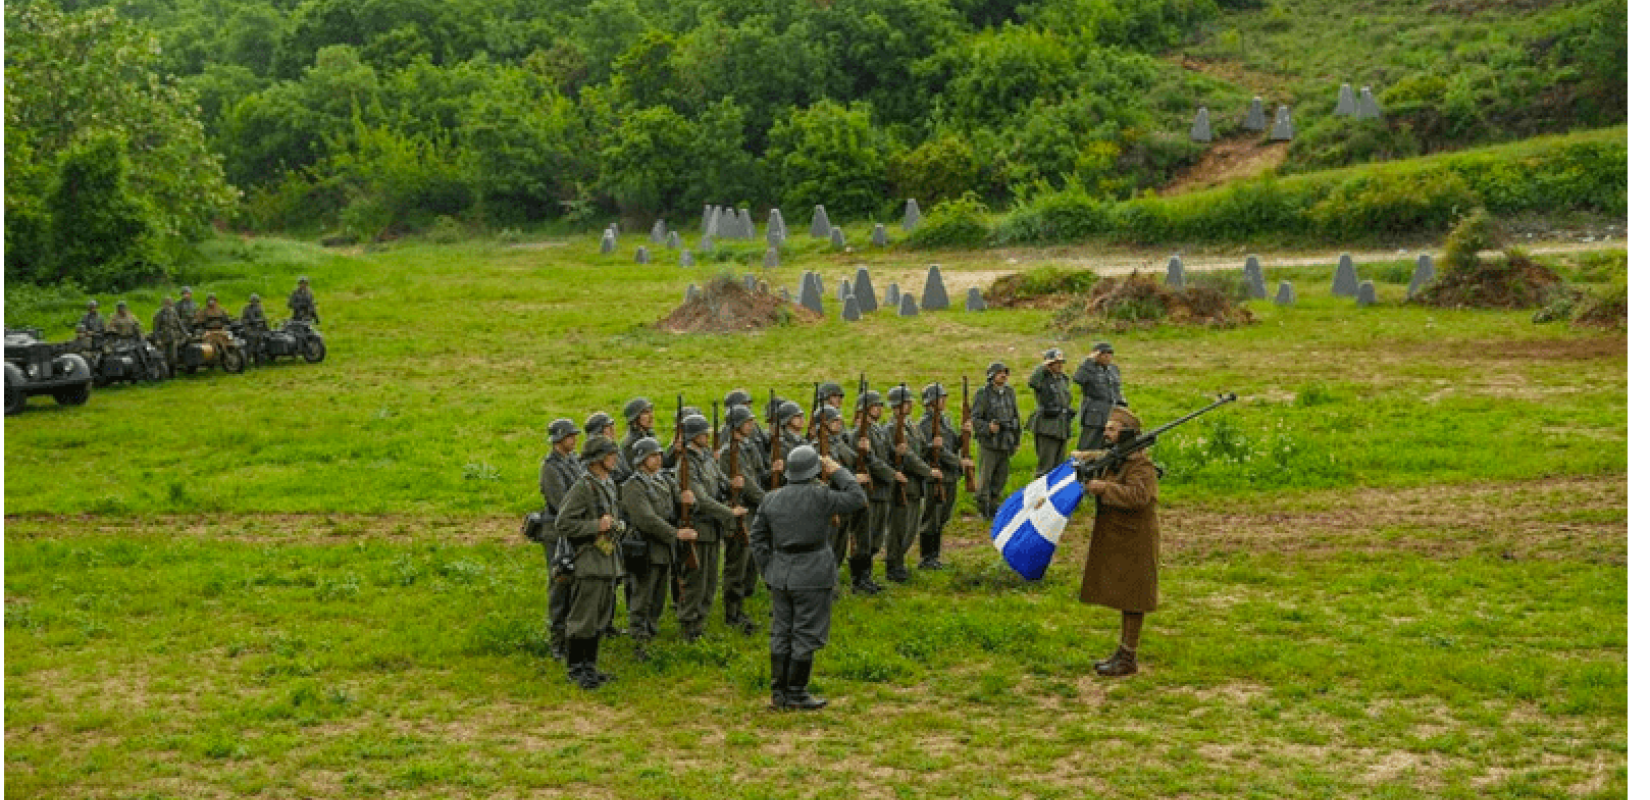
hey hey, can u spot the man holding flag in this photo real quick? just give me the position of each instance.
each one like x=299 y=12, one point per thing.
x=1121 y=572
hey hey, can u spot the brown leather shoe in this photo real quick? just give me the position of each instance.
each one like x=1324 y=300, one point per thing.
x=1121 y=663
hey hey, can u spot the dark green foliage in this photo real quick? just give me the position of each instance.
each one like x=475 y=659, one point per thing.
x=964 y=222
x=833 y=155
x=100 y=235
x=1049 y=216
x=1475 y=233
x=938 y=169
x=1381 y=204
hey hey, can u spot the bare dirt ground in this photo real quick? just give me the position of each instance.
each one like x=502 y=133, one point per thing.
x=1230 y=159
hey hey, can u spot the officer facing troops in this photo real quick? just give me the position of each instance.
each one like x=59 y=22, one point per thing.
x=589 y=523
x=1102 y=387
x=945 y=442
x=557 y=474
x=912 y=474
x=649 y=501
x=790 y=536
x=868 y=529
x=997 y=429
x=746 y=492
x=709 y=488
x=1051 y=423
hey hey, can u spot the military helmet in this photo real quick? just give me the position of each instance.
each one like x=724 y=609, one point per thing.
x=120 y=304
x=787 y=410
x=932 y=393
x=831 y=389
x=254 y=299
x=694 y=425
x=635 y=408
x=561 y=429
x=775 y=404
x=644 y=447
x=303 y=279
x=802 y=464
x=996 y=367
x=597 y=447
x=186 y=290
x=828 y=414
x=737 y=397
x=739 y=415
x=91 y=304
x=597 y=422
x=1102 y=347
x=870 y=398
x=899 y=394
x=690 y=410
x=1054 y=354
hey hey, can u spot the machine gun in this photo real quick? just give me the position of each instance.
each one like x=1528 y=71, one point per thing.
x=967 y=440
x=690 y=558
x=1092 y=463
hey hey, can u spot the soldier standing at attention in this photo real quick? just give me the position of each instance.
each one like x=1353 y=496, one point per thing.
x=997 y=429
x=737 y=397
x=589 y=523
x=169 y=331
x=709 y=487
x=638 y=419
x=1121 y=572
x=649 y=501
x=302 y=303
x=1102 y=387
x=936 y=512
x=745 y=491
x=791 y=538
x=186 y=307
x=831 y=394
x=869 y=527
x=911 y=477
x=123 y=324
x=92 y=321
x=556 y=475
x=1052 y=424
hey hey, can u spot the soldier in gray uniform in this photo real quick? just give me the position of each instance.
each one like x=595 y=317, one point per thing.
x=638 y=419
x=169 y=331
x=869 y=529
x=737 y=397
x=841 y=450
x=601 y=424
x=302 y=303
x=556 y=475
x=936 y=511
x=747 y=490
x=831 y=394
x=997 y=429
x=912 y=474
x=92 y=321
x=1102 y=387
x=708 y=489
x=791 y=538
x=123 y=324
x=186 y=308
x=589 y=522
x=1051 y=422
x=649 y=501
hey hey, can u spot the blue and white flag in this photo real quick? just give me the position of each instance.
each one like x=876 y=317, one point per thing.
x=1030 y=521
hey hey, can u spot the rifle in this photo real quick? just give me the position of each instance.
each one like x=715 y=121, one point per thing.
x=967 y=439
x=773 y=442
x=715 y=427
x=862 y=443
x=821 y=435
x=899 y=439
x=691 y=560
x=739 y=532
x=819 y=421
x=1092 y=463
x=933 y=433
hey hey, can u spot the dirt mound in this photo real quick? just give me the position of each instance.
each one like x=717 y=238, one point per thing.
x=726 y=306
x=1043 y=287
x=1139 y=301
x=1513 y=282
x=1228 y=160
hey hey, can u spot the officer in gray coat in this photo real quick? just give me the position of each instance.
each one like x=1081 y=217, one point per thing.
x=790 y=536
x=589 y=522
x=1102 y=387
x=1051 y=422
x=557 y=473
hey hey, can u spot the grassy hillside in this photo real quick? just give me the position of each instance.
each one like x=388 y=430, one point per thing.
x=1397 y=567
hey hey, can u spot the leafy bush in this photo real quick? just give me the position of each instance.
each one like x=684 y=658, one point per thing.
x=964 y=222
x=1378 y=203
x=1476 y=232
x=942 y=168
x=1067 y=215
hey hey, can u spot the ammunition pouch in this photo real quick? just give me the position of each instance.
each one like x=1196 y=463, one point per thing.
x=562 y=561
x=532 y=526
x=633 y=552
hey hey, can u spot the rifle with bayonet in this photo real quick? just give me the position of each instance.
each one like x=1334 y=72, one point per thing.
x=933 y=435
x=899 y=439
x=967 y=440
x=690 y=559
x=1092 y=463
x=775 y=476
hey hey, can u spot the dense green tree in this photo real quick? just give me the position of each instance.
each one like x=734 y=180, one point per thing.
x=833 y=155
x=286 y=126
x=101 y=235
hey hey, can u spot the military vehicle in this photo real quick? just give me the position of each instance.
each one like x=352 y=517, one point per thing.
x=131 y=360
x=36 y=367
x=212 y=346
x=294 y=338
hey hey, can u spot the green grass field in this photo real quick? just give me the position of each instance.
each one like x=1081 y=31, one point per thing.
x=1396 y=567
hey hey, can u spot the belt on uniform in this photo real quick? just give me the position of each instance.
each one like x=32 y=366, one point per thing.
x=804 y=548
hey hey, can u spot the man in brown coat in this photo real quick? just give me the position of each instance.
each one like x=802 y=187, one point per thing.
x=1122 y=564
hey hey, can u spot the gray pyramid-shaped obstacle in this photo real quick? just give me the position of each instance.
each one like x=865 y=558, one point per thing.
x=1346 y=278
x=707 y=243
x=976 y=301
x=747 y=228
x=657 y=235
x=641 y=255
x=1346 y=104
x=1367 y=107
x=770 y=259
x=686 y=258
x=776 y=228
x=1424 y=273
x=1283 y=129
x=850 y=308
x=730 y=226
x=704 y=221
x=913 y=215
x=673 y=241
x=811 y=299
x=821 y=227
x=1177 y=273
x=863 y=290
x=934 y=297
x=750 y=282
x=609 y=242
x=806 y=282
x=879 y=235
x=1256 y=120
x=692 y=293
x=838 y=241
x=891 y=297
x=908 y=305
x=819 y=283
x=712 y=215
x=1286 y=294
x=1366 y=293
x=1201 y=131
x=844 y=289
x=1256 y=278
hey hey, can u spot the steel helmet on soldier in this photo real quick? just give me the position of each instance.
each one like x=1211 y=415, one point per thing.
x=932 y=393
x=644 y=447
x=870 y=398
x=739 y=415
x=802 y=464
x=737 y=397
x=596 y=448
x=831 y=389
x=694 y=425
x=996 y=367
x=561 y=429
x=787 y=410
x=635 y=408
x=597 y=422
x=828 y=414
x=898 y=395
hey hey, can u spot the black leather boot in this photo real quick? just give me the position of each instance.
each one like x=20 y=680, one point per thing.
x=780 y=668
x=797 y=695
x=593 y=645
x=579 y=670
x=1121 y=663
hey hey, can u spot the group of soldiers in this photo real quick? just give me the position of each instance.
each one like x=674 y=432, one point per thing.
x=176 y=321
x=688 y=519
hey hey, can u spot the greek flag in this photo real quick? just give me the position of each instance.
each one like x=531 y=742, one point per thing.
x=1030 y=522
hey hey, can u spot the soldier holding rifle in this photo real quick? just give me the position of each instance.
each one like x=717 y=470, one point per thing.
x=912 y=475
x=649 y=498
x=996 y=417
x=559 y=470
x=709 y=489
x=1051 y=422
x=742 y=463
x=945 y=447
x=588 y=522
x=868 y=529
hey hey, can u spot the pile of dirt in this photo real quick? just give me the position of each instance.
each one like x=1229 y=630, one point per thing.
x=1512 y=282
x=1044 y=287
x=1139 y=301
x=726 y=306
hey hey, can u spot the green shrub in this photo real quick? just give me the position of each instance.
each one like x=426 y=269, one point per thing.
x=1476 y=232
x=938 y=169
x=964 y=222
x=1067 y=215
x=1382 y=203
